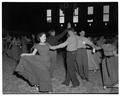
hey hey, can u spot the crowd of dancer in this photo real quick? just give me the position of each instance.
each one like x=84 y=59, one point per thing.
x=36 y=62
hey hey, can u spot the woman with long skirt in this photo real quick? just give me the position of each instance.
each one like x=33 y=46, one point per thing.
x=110 y=65
x=35 y=68
x=92 y=65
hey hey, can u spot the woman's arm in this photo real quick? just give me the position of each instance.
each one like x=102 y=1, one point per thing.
x=115 y=53
x=12 y=42
x=61 y=35
x=59 y=46
x=29 y=54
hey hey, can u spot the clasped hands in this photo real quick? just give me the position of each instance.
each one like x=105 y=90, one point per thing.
x=25 y=54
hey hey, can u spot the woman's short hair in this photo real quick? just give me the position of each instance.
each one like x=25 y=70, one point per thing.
x=39 y=35
x=109 y=40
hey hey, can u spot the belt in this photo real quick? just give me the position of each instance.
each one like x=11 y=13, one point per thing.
x=89 y=48
x=52 y=50
x=81 y=48
x=72 y=51
x=109 y=56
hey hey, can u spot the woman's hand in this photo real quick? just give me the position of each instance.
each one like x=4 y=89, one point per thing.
x=115 y=53
x=23 y=54
x=26 y=54
x=93 y=50
x=53 y=47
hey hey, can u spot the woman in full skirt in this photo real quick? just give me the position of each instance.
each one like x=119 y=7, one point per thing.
x=92 y=65
x=35 y=68
x=110 y=66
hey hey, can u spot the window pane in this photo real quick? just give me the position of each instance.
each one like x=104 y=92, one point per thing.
x=76 y=11
x=75 y=19
x=106 y=9
x=106 y=17
x=90 y=10
x=90 y=20
x=61 y=12
x=61 y=19
x=49 y=12
x=49 y=19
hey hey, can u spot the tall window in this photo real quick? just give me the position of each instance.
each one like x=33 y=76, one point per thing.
x=90 y=10
x=90 y=14
x=75 y=16
x=61 y=16
x=49 y=15
x=106 y=13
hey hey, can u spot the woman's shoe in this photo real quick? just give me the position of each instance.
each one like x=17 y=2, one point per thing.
x=104 y=87
x=64 y=83
x=36 y=87
x=87 y=79
x=45 y=92
x=94 y=70
x=74 y=86
x=116 y=86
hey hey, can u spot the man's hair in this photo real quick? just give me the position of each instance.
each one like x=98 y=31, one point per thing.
x=52 y=30
x=82 y=31
x=70 y=29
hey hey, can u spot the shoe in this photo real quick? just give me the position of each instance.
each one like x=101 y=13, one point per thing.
x=116 y=86
x=104 y=87
x=83 y=78
x=64 y=83
x=74 y=86
x=87 y=79
x=94 y=70
x=50 y=92
x=36 y=87
x=44 y=92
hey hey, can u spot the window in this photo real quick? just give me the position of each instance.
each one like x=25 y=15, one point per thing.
x=91 y=20
x=90 y=14
x=106 y=13
x=49 y=15
x=75 y=16
x=90 y=10
x=61 y=16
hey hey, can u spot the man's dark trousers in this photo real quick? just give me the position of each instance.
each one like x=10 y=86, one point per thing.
x=82 y=61
x=71 y=69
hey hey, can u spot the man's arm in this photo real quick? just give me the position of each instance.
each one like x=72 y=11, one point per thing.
x=60 y=45
x=87 y=41
x=61 y=35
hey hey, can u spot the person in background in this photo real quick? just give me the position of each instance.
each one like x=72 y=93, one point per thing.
x=53 y=40
x=98 y=54
x=15 y=50
x=33 y=39
x=6 y=42
x=92 y=65
x=69 y=25
x=81 y=56
x=110 y=64
x=101 y=41
x=24 y=41
x=71 y=44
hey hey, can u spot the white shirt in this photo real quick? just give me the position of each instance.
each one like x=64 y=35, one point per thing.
x=82 y=41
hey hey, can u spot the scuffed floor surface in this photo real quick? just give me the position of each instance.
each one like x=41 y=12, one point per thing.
x=15 y=85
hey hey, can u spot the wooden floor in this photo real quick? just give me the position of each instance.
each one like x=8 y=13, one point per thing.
x=15 y=85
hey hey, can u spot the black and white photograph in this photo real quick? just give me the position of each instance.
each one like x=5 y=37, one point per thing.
x=60 y=48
